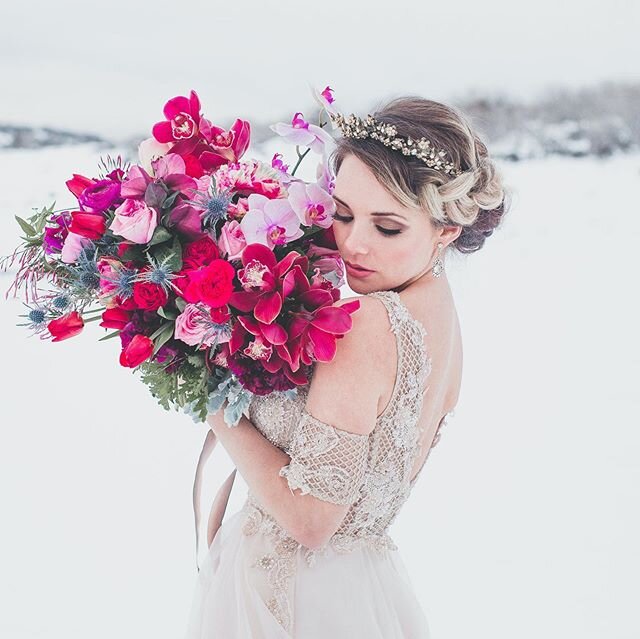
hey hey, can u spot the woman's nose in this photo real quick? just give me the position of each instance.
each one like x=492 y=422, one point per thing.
x=355 y=242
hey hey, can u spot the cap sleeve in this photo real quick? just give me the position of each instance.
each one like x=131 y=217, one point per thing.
x=326 y=462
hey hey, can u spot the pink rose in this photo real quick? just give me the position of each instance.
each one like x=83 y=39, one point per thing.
x=191 y=325
x=232 y=241
x=135 y=221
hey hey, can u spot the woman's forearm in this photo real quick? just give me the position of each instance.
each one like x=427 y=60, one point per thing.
x=259 y=462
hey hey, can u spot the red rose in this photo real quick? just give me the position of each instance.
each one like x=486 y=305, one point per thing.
x=115 y=318
x=89 y=225
x=199 y=253
x=137 y=351
x=211 y=284
x=128 y=304
x=149 y=296
x=66 y=326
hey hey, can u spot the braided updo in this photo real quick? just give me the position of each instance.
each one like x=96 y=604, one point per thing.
x=476 y=200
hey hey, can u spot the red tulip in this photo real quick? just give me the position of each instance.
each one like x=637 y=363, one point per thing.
x=90 y=225
x=137 y=351
x=79 y=183
x=66 y=326
x=115 y=318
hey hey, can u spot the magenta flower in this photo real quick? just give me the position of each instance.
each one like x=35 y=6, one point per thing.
x=325 y=100
x=301 y=133
x=55 y=235
x=270 y=222
x=312 y=205
x=170 y=170
x=229 y=145
x=182 y=119
x=100 y=196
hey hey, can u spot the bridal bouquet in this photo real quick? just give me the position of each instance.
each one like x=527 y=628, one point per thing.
x=218 y=274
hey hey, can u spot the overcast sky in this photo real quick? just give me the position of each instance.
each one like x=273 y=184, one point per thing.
x=110 y=69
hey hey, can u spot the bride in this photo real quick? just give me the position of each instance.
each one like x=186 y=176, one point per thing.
x=309 y=555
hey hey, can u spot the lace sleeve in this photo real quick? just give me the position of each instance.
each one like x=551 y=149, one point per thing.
x=326 y=462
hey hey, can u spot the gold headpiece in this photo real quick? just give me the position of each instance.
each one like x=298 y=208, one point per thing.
x=355 y=127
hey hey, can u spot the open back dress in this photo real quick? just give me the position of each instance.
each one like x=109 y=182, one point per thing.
x=258 y=582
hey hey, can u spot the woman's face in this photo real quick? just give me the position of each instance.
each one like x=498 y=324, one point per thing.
x=374 y=231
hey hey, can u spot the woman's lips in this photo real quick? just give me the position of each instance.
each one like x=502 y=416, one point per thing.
x=357 y=271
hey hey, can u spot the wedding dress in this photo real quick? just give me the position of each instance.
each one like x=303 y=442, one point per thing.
x=258 y=582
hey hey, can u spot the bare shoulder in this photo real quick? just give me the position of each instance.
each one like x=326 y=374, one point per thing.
x=345 y=391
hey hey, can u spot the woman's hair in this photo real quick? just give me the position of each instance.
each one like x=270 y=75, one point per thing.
x=476 y=200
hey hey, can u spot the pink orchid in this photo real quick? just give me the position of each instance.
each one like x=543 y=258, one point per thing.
x=325 y=100
x=314 y=329
x=312 y=205
x=270 y=222
x=325 y=177
x=228 y=146
x=182 y=119
x=301 y=133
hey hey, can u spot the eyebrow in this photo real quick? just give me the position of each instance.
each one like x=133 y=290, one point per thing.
x=377 y=213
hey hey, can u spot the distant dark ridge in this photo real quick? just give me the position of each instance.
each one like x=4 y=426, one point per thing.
x=596 y=121
x=27 y=137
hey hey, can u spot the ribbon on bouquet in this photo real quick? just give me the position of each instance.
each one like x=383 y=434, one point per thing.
x=220 y=501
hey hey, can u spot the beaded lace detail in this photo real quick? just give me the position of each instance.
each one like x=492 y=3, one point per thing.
x=371 y=472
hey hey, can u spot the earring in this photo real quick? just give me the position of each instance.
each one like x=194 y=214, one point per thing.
x=438 y=265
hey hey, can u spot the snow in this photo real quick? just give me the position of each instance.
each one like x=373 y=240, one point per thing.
x=525 y=523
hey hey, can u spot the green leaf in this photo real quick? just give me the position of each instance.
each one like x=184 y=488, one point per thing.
x=168 y=203
x=167 y=313
x=25 y=226
x=159 y=235
x=180 y=303
x=163 y=337
x=114 y=334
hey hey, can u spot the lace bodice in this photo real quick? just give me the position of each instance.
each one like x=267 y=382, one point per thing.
x=370 y=472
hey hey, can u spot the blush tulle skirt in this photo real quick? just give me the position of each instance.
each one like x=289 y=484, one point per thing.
x=362 y=594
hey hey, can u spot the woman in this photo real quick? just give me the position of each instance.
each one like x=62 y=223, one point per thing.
x=309 y=554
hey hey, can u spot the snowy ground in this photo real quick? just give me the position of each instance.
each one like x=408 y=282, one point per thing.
x=524 y=525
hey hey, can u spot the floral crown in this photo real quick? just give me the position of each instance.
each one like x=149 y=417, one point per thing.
x=355 y=127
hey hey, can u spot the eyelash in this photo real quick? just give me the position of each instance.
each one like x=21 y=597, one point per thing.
x=387 y=232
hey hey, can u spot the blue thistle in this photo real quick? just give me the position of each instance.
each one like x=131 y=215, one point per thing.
x=38 y=318
x=60 y=302
x=215 y=205
x=160 y=273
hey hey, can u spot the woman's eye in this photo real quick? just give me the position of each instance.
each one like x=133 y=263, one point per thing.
x=343 y=218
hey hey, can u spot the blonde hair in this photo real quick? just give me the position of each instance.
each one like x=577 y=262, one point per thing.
x=476 y=200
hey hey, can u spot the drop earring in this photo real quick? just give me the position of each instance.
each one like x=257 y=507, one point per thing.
x=438 y=265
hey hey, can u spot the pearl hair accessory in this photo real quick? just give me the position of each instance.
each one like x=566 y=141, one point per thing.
x=355 y=127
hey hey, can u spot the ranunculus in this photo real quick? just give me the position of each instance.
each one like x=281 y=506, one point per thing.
x=211 y=284
x=115 y=318
x=66 y=326
x=135 y=221
x=137 y=351
x=191 y=326
x=89 y=225
x=100 y=196
x=149 y=296
x=232 y=240
x=199 y=253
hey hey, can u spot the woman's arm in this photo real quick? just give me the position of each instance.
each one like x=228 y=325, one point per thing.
x=344 y=392
x=259 y=462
